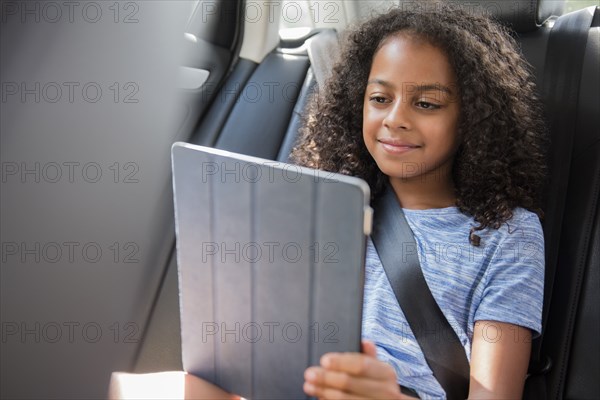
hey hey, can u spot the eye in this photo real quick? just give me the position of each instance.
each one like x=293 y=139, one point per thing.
x=378 y=99
x=427 y=106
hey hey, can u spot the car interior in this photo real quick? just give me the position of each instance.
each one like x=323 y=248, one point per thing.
x=246 y=71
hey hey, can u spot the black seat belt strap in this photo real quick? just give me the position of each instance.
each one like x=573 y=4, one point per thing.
x=397 y=249
x=562 y=79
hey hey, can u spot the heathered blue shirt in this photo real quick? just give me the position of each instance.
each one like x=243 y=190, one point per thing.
x=501 y=280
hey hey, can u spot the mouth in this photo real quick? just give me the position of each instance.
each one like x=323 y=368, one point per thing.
x=396 y=146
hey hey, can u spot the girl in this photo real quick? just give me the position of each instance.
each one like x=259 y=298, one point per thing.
x=441 y=105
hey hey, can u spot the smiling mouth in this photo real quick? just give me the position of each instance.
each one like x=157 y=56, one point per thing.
x=396 y=146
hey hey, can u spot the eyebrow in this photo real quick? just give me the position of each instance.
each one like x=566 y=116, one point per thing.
x=417 y=88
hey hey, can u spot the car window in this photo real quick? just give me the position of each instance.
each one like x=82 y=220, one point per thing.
x=298 y=17
x=573 y=5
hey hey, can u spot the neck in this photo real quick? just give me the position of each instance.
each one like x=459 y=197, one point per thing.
x=425 y=191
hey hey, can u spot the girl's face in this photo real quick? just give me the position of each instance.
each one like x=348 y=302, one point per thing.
x=411 y=110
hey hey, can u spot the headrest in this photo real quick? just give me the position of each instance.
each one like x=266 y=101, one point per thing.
x=323 y=50
x=520 y=15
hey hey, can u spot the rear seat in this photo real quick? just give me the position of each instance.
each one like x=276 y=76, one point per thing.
x=265 y=126
x=261 y=107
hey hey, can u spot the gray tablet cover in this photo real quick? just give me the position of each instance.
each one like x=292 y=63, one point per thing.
x=271 y=268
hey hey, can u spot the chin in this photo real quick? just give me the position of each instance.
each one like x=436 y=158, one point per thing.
x=399 y=170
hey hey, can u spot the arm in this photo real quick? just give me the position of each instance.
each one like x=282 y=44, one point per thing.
x=514 y=292
x=164 y=385
x=499 y=359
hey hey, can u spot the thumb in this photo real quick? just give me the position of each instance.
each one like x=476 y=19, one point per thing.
x=369 y=348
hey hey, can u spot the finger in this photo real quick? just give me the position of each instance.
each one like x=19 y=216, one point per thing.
x=328 y=393
x=322 y=378
x=369 y=348
x=359 y=365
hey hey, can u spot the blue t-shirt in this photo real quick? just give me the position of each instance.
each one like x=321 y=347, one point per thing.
x=501 y=280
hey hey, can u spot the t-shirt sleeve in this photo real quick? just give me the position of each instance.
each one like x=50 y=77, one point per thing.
x=514 y=281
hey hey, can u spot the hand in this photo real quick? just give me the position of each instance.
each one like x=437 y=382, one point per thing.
x=352 y=376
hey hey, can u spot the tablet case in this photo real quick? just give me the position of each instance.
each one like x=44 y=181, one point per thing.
x=271 y=268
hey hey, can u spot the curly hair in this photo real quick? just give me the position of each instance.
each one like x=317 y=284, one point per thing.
x=500 y=163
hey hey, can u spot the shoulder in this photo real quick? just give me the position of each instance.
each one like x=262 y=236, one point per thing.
x=517 y=249
x=524 y=229
x=523 y=220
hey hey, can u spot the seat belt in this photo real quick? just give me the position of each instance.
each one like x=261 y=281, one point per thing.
x=397 y=249
x=562 y=79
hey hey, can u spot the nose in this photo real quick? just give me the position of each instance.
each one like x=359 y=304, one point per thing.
x=398 y=116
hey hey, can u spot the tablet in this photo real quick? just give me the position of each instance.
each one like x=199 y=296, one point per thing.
x=271 y=268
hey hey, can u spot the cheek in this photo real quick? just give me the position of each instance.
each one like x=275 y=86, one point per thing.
x=444 y=129
x=366 y=122
x=454 y=136
x=371 y=121
x=445 y=140
x=369 y=131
